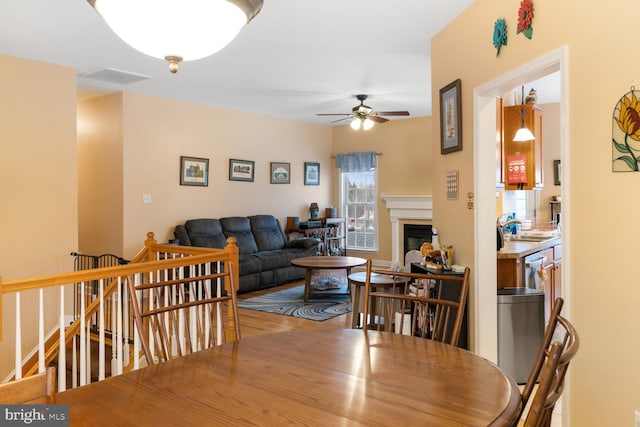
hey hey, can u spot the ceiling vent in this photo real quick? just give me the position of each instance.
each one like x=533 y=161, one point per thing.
x=112 y=75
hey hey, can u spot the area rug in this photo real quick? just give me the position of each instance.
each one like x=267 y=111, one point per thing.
x=290 y=302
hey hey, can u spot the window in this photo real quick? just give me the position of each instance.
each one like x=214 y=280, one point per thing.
x=358 y=200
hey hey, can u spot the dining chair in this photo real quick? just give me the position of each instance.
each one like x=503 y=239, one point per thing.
x=180 y=316
x=424 y=306
x=554 y=370
x=30 y=388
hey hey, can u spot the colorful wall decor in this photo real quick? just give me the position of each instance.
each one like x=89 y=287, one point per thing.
x=525 y=16
x=499 y=34
x=626 y=133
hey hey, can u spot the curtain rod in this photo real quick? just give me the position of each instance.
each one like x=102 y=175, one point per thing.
x=377 y=154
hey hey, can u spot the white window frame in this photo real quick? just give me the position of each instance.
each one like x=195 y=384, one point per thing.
x=374 y=212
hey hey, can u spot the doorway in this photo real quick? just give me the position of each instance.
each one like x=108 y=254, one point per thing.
x=486 y=342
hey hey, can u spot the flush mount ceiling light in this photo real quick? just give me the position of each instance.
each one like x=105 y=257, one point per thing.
x=523 y=134
x=177 y=30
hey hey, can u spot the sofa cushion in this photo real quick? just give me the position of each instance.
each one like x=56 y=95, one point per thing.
x=240 y=228
x=267 y=232
x=205 y=232
x=249 y=264
x=301 y=243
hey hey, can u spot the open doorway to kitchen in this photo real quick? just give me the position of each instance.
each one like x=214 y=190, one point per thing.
x=485 y=186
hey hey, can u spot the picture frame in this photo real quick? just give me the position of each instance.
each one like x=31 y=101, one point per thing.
x=311 y=173
x=280 y=173
x=194 y=171
x=557 y=172
x=241 y=170
x=451 y=118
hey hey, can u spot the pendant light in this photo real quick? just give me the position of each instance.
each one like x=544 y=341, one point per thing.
x=523 y=134
x=177 y=30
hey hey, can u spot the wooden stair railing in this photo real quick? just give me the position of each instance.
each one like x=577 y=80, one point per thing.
x=153 y=259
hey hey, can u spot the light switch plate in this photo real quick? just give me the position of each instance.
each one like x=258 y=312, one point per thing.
x=146 y=198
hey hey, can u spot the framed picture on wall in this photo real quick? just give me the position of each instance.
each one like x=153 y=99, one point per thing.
x=241 y=170
x=451 y=118
x=280 y=173
x=194 y=171
x=311 y=173
x=557 y=172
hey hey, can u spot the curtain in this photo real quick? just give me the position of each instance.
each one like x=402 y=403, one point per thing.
x=356 y=162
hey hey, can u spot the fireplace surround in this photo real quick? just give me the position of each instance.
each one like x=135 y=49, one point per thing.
x=406 y=209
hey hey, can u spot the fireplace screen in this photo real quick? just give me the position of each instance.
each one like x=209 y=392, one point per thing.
x=415 y=235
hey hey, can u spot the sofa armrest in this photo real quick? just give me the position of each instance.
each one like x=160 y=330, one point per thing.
x=181 y=233
x=301 y=243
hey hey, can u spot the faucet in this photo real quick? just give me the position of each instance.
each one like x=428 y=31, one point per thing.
x=500 y=229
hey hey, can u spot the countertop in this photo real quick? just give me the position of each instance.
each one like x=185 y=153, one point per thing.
x=515 y=249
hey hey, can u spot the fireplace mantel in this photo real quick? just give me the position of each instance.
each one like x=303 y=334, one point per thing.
x=401 y=208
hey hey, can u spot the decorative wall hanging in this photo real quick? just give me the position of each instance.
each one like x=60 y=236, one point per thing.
x=311 y=173
x=525 y=16
x=194 y=171
x=626 y=132
x=241 y=170
x=451 y=118
x=499 y=34
x=280 y=173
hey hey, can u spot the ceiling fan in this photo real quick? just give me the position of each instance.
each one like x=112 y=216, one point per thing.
x=363 y=115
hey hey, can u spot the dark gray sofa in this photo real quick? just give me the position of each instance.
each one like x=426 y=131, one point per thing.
x=264 y=253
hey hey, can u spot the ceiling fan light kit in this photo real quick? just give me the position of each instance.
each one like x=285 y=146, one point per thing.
x=364 y=116
x=177 y=30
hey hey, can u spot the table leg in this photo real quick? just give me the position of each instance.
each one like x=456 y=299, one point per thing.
x=307 y=284
x=355 y=309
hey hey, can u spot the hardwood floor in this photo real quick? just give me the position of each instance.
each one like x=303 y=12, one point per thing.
x=254 y=322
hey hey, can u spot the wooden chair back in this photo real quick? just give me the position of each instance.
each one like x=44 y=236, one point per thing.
x=550 y=332
x=423 y=298
x=182 y=315
x=551 y=384
x=28 y=389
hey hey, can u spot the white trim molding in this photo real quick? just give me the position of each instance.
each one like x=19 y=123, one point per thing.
x=418 y=207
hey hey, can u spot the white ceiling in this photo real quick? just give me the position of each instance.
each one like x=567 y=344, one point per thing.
x=295 y=59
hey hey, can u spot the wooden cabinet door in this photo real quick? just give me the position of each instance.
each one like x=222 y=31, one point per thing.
x=532 y=150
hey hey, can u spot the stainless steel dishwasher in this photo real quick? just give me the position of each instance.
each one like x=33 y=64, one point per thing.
x=520 y=330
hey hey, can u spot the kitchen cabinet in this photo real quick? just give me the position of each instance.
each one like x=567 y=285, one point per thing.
x=514 y=270
x=530 y=150
x=553 y=284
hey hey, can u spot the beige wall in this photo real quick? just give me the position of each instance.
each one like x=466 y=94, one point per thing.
x=38 y=179
x=605 y=376
x=550 y=152
x=403 y=167
x=156 y=132
x=100 y=175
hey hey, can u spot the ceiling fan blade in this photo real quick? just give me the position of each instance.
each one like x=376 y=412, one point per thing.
x=333 y=114
x=341 y=120
x=392 y=113
x=378 y=119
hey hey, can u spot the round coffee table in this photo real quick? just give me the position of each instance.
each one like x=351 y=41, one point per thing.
x=325 y=263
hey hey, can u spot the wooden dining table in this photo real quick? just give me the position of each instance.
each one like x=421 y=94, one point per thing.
x=305 y=377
